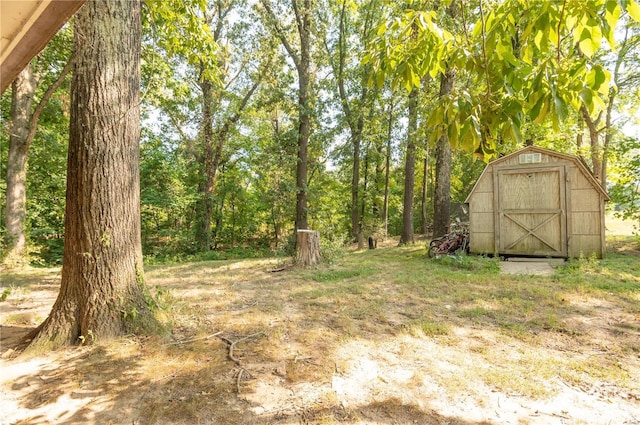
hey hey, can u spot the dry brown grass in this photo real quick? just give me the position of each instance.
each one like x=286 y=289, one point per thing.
x=379 y=337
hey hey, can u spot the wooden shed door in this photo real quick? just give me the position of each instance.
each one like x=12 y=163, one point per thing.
x=530 y=206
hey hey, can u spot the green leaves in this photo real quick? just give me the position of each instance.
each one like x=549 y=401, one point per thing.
x=633 y=8
x=533 y=59
x=408 y=48
x=598 y=79
x=179 y=28
x=588 y=36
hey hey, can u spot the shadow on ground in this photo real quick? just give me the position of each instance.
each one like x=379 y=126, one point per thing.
x=98 y=386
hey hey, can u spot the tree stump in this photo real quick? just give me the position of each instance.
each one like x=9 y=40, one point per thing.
x=307 y=247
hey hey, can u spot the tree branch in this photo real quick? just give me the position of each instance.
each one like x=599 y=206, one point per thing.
x=177 y=126
x=464 y=23
x=564 y=3
x=33 y=124
x=484 y=50
x=287 y=46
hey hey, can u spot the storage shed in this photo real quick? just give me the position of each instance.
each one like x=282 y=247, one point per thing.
x=537 y=202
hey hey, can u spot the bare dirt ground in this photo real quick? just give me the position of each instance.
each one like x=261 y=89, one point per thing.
x=249 y=346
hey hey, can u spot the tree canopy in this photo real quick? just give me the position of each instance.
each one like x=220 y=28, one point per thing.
x=256 y=115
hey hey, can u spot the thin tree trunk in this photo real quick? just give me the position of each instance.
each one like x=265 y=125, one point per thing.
x=218 y=222
x=303 y=17
x=102 y=292
x=25 y=124
x=410 y=171
x=213 y=155
x=378 y=188
x=304 y=130
x=613 y=92
x=594 y=139
x=365 y=186
x=423 y=201
x=387 y=173
x=301 y=57
x=607 y=142
x=23 y=91
x=442 y=195
x=356 y=231
x=203 y=234
x=355 y=120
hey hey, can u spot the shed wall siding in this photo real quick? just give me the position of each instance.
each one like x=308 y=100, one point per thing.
x=586 y=234
x=584 y=200
x=482 y=243
x=481 y=215
x=586 y=245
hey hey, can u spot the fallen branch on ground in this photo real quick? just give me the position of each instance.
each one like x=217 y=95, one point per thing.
x=232 y=345
x=283 y=268
x=184 y=341
x=241 y=372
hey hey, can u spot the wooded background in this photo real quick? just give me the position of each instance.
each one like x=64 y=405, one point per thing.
x=353 y=118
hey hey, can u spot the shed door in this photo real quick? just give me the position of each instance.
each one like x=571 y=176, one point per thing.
x=530 y=206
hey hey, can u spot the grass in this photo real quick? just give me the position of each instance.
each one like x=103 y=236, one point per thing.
x=466 y=325
x=428 y=328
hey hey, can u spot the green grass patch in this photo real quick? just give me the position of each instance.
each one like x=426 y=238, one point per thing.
x=617 y=273
x=595 y=370
x=429 y=328
x=476 y=313
x=5 y=293
x=326 y=276
x=467 y=262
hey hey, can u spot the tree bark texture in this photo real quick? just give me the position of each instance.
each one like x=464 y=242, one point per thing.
x=308 y=243
x=22 y=94
x=203 y=234
x=442 y=195
x=102 y=293
x=410 y=171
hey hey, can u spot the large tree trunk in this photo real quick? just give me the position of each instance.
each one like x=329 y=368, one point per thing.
x=102 y=293
x=410 y=171
x=23 y=91
x=442 y=195
x=308 y=243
